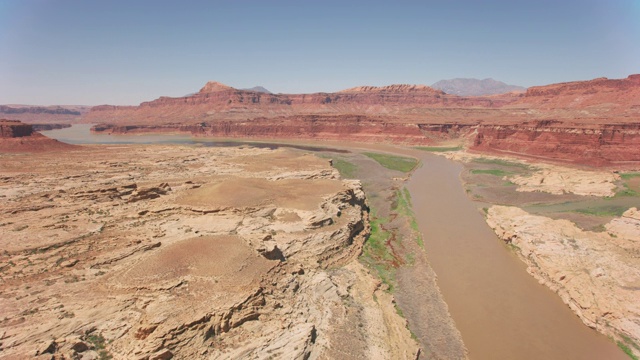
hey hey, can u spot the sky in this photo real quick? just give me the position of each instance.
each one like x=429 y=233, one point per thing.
x=125 y=52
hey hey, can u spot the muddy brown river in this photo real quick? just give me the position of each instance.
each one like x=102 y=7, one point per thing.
x=501 y=311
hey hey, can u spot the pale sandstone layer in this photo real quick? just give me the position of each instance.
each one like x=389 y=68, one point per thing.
x=549 y=178
x=596 y=274
x=188 y=253
x=560 y=180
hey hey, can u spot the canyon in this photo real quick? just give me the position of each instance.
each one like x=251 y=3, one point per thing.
x=128 y=229
x=587 y=123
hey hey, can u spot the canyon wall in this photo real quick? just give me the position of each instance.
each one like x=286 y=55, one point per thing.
x=14 y=129
x=219 y=102
x=318 y=127
x=18 y=137
x=591 y=123
x=591 y=145
x=595 y=145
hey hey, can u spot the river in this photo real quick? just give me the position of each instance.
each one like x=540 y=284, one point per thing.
x=501 y=311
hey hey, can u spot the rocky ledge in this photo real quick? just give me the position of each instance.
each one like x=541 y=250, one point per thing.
x=596 y=273
x=159 y=252
x=16 y=136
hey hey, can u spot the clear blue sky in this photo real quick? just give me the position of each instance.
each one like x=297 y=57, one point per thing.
x=125 y=52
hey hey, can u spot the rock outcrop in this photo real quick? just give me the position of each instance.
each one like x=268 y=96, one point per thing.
x=14 y=129
x=152 y=252
x=596 y=273
x=560 y=180
x=18 y=137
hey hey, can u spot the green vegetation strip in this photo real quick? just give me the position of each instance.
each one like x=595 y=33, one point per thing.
x=438 y=148
x=612 y=210
x=494 y=172
x=628 y=176
x=346 y=169
x=377 y=254
x=403 y=207
x=392 y=162
x=501 y=163
x=626 y=191
x=627 y=350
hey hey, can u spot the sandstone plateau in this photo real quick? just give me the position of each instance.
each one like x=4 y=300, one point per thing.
x=592 y=123
x=154 y=252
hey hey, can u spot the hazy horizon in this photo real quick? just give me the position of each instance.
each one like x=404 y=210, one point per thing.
x=123 y=53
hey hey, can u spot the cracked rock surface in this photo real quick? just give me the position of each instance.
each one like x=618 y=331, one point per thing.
x=160 y=252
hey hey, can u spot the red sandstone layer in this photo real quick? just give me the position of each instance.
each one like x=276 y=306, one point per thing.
x=18 y=137
x=313 y=127
x=583 y=144
x=587 y=122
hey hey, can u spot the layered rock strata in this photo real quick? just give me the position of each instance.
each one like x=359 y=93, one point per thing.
x=593 y=123
x=176 y=252
x=18 y=137
x=585 y=144
x=312 y=127
x=44 y=114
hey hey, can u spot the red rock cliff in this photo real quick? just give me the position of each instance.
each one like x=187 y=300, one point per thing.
x=14 y=129
x=599 y=145
x=591 y=122
x=18 y=137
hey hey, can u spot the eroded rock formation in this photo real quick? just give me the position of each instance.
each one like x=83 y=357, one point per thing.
x=596 y=273
x=18 y=137
x=585 y=144
x=181 y=252
x=591 y=123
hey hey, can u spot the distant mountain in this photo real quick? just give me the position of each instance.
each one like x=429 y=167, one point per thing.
x=258 y=89
x=475 y=87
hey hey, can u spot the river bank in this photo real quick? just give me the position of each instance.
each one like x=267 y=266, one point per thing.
x=485 y=331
